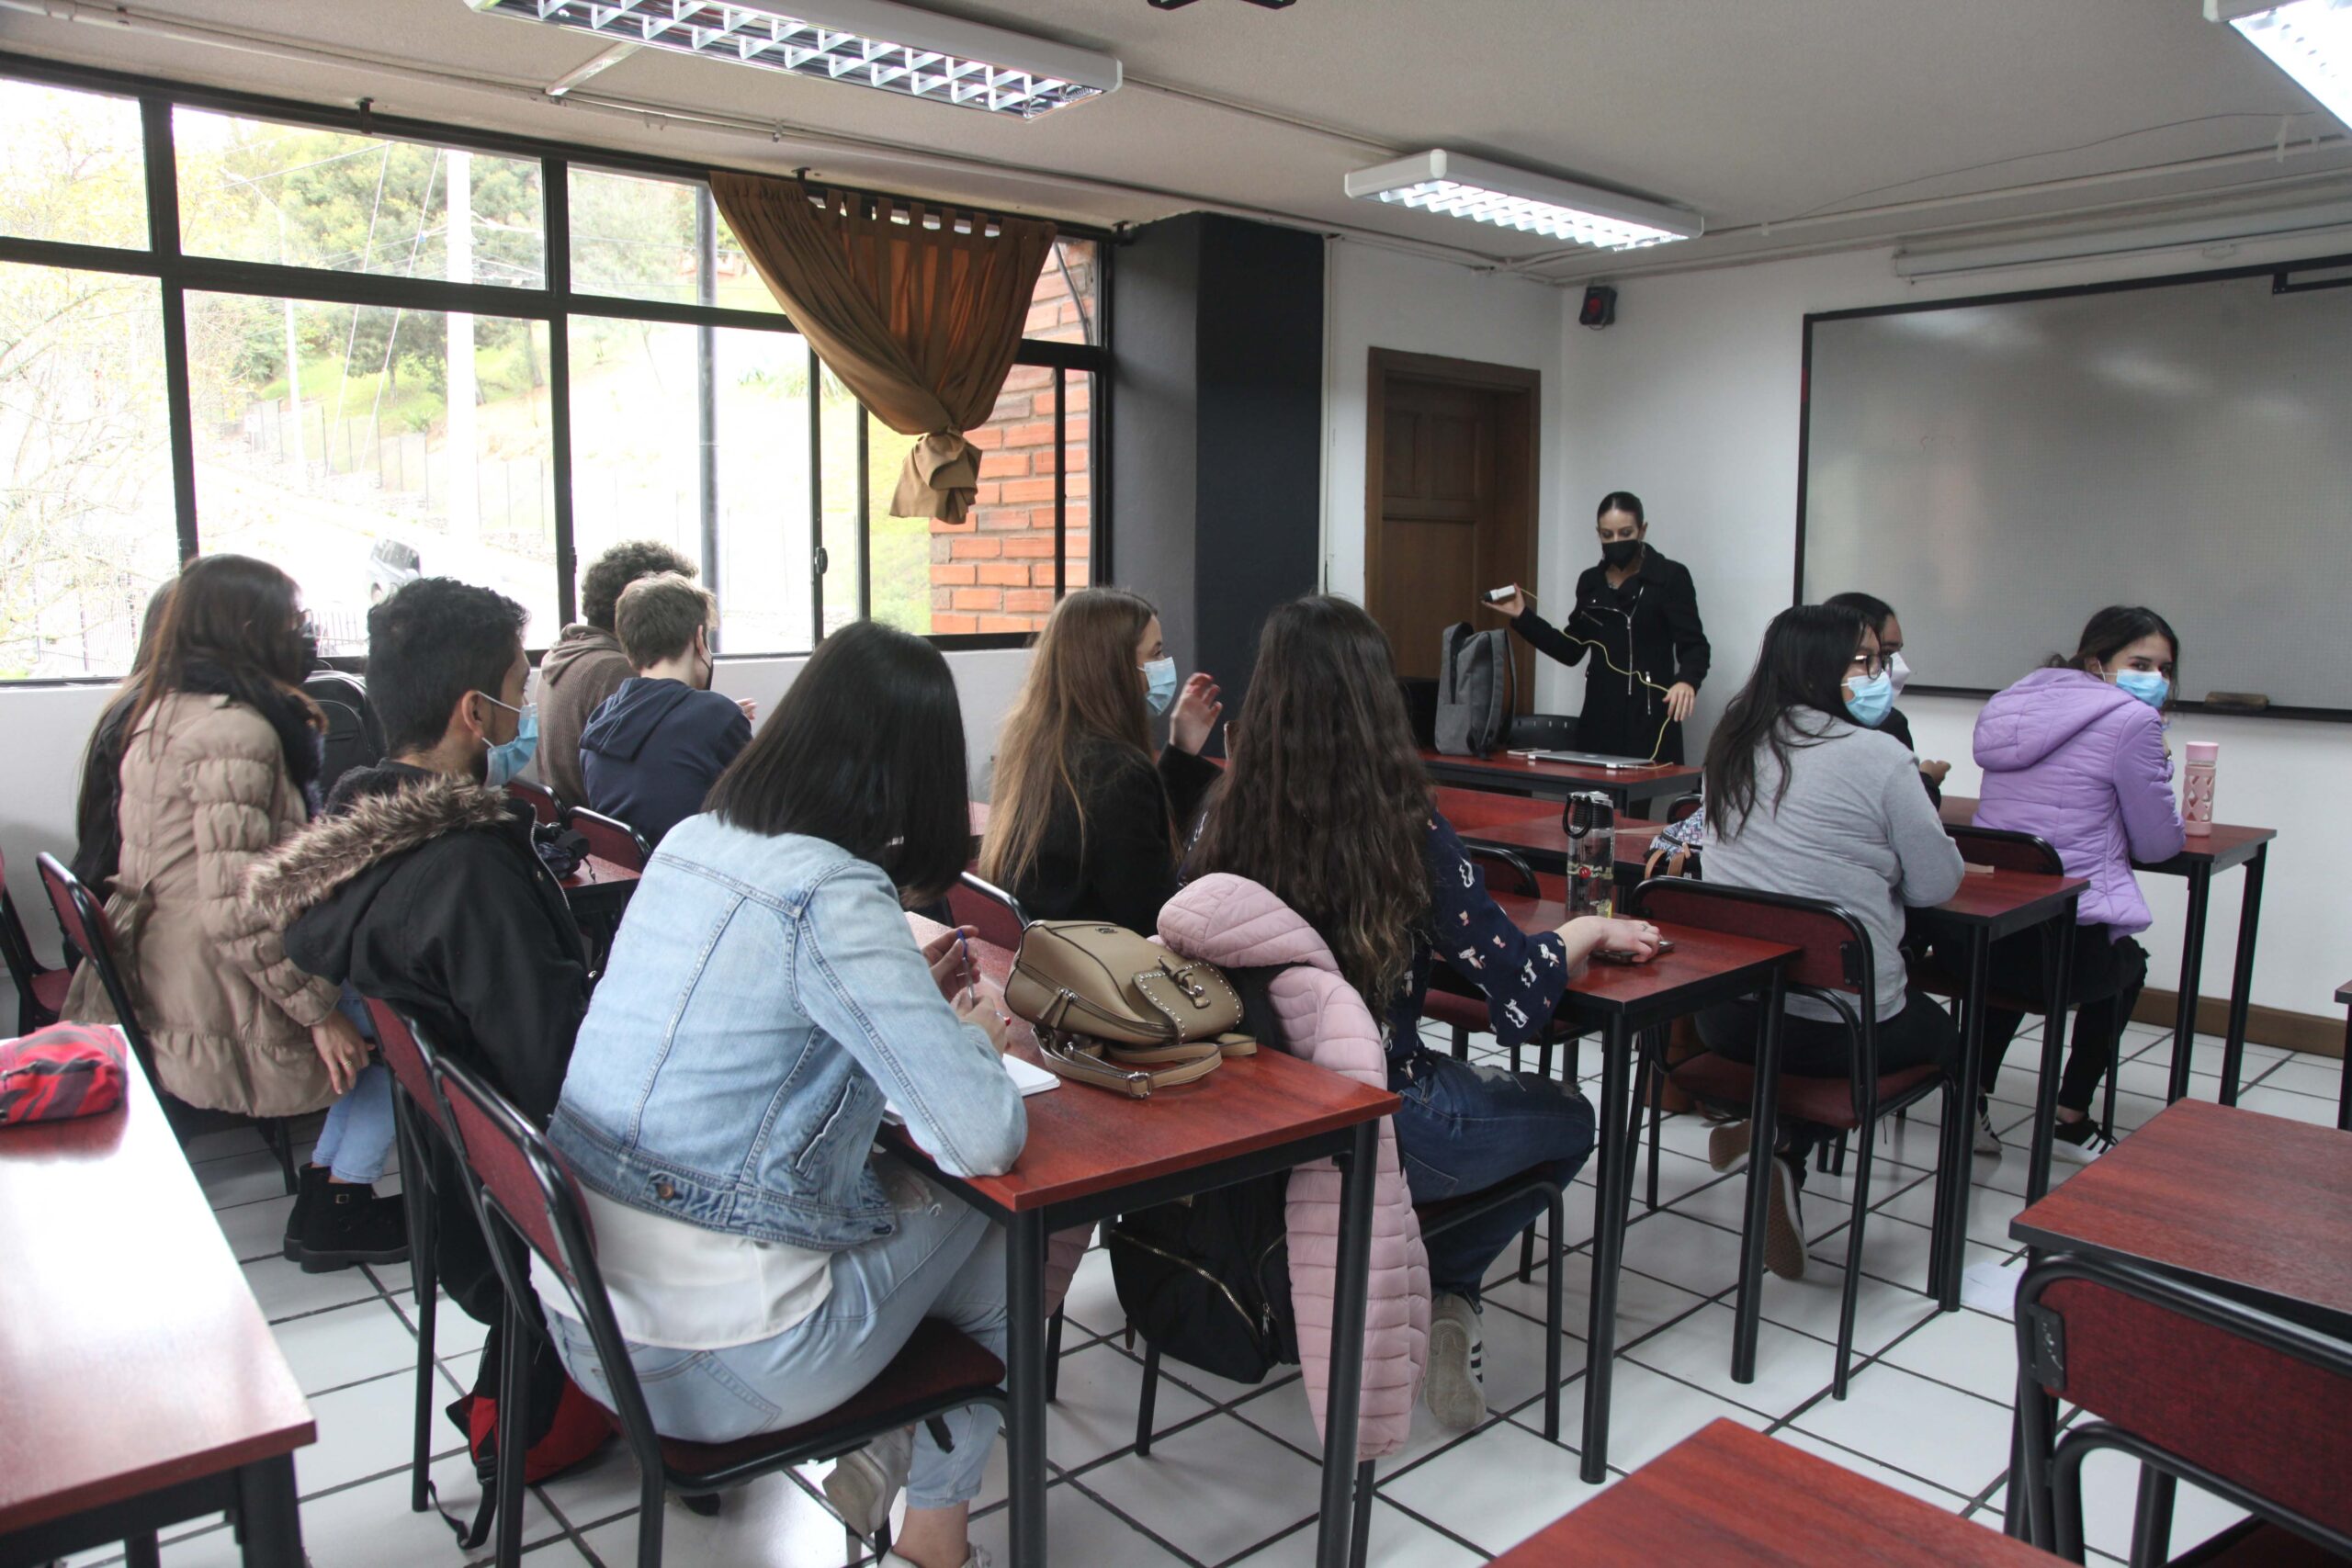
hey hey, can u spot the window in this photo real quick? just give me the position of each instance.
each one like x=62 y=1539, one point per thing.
x=382 y=367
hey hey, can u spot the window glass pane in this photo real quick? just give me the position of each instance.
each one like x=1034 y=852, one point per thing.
x=402 y=442
x=997 y=574
x=902 y=549
x=843 y=416
x=86 y=530
x=256 y=190
x=1063 y=310
x=75 y=172
x=638 y=444
x=636 y=238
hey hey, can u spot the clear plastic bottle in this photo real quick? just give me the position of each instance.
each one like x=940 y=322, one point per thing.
x=1591 y=823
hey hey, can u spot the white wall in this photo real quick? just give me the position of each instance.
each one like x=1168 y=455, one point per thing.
x=48 y=727
x=1382 y=299
x=1692 y=401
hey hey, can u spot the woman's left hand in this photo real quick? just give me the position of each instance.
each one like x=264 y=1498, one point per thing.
x=1680 y=698
x=1194 y=716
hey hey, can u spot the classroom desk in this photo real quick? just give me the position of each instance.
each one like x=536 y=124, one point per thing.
x=2344 y=1093
x=2207 y=853
x=1728 y=1496
x=1620 y=1000
x=140 y=1385
x=599 y=887
x=1556 y=780
x=1092 y=1154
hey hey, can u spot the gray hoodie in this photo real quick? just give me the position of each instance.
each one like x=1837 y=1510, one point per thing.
x=585 y=666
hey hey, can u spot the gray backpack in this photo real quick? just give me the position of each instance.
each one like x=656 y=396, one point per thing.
x=1475 y=691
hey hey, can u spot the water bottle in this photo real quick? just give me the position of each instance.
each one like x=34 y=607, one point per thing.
x=1590 y=822
x=2197 y=790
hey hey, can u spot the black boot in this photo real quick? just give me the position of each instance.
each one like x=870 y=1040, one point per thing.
x=350 y=1225
x=306 y=1200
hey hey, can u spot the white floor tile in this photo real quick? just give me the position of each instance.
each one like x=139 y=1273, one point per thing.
x=1650 y=1412
x=257 y=1229
x=1496 y=1489
x=1644 y=1303
x=363 y=1431
x=1791 y=1368
x=1259 y=1488
x=369 y=1525
x=1967 y=1349
x=240 y=1179
x=1079 y=1530
x=1398 y=1540
x=1682 y=1251
x=1093 y=1303
x=2110 y=1493
x=1911 y=1485
x=1882 y=1311
x=1094 y=1412
x=2305 y=1074
x=1902 y=1419
x=2294 y=1107
x=348 y=1344
x=283 y=1290
x=768 y=1521
x=1990 y=1210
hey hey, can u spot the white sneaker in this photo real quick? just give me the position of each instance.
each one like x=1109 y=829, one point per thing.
x=1784 y=1225
x=1988 y=1142
x=2079 y=1143
x=1727 y=1145
x=979 y=1558
x=863 y=1484
x=1455 y=1389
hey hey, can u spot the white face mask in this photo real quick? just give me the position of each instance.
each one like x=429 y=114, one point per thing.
x=1897 y=672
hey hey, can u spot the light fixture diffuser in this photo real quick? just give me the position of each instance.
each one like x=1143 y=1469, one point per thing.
x=867 y=43
x=2308 y=40
x=1460 y=187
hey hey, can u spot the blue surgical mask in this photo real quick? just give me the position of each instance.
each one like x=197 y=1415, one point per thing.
x=1870 y=700
x=1159 y=684
x=2146 y=684
x=507 y=760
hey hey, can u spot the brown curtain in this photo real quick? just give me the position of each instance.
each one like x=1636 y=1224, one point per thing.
x=919 y=309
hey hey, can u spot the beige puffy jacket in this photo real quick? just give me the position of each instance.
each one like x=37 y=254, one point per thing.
x=205 y=794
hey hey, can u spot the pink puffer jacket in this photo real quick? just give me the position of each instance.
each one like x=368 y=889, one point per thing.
x=1232 y=920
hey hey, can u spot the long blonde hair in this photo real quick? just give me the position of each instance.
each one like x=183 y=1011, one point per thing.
x=1081 y=686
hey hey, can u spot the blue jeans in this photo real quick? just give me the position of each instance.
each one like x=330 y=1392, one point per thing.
x=355 y=1144
x=1462 y=1129
x=944 y=1261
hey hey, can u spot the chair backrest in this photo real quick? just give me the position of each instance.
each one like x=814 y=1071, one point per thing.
x=609 y=837
x=408 y=1057
x=1685 y=807
x=989 y=910
x=542 y=800
x=1542 y=732
x=1833 y=950
x=82 y=920
x=1522 y=875
x=2254 y=1400
x=2006 y=850
x=17 y=948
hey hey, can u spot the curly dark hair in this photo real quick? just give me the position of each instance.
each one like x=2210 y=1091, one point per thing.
x=600 y=590
x=1324 y=799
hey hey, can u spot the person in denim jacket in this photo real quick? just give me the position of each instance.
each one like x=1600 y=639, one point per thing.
x=766 y=998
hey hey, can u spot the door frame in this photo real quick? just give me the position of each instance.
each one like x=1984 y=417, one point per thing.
x=1520 y=404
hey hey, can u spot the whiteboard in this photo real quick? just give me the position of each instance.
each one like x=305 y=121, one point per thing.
x=2000 y=468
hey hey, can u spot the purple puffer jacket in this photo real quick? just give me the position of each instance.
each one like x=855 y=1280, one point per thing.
x=2073 y=760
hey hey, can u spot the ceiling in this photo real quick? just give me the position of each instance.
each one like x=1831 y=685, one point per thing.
x=1791 y=125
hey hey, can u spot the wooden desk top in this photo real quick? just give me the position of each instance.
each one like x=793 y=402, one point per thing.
x=1725 y=1494
x=1699 y=956
x=2225 y=846
x=595 y=871
x=2008 y=900
x=2229 y=1198
x=1084 y=1140
x=132 y=1356
x=1477 y=814
x=1504 y=765
x=1544 y=835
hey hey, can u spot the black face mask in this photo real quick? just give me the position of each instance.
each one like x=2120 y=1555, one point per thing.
x=1621 y=552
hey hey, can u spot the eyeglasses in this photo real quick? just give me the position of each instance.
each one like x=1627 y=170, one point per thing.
x=1869 y=665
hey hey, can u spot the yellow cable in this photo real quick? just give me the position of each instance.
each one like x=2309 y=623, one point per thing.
x=1659 y=744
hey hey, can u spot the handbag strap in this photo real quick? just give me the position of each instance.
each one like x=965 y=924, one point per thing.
x=1089 y=1062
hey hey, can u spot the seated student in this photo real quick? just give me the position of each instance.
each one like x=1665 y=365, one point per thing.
x=1889 y=631
x=659 y=743
x=1326 y=804
x=2075 y=753
x=1085 y=824
x=765 y=999
x=98 y=837
x=587 y=663
x=1804 y=797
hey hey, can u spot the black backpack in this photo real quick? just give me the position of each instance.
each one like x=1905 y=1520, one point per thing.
x=1206 y=1279
x=1475 y=691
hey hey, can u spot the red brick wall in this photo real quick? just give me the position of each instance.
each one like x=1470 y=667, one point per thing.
x=995 y=573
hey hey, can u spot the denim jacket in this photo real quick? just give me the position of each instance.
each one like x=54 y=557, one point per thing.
x=764 y=998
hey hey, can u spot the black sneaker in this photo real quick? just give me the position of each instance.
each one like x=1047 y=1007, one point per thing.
x=351 y=1225
x=2080 y=1142
x=306 y=1198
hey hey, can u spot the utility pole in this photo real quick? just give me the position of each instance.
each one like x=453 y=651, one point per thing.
x=459 y=448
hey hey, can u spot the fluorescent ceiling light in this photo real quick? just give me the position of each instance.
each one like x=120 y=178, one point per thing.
x=2181 y=234
x=2308 y=40
x=1458 y=187
x=868 y=43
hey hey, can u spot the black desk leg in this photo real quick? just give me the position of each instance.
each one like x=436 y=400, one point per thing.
x=140 y=1552
x=2344 y=1088
x=273 y=1525
x=1956 y=1166
x=1763 y=1148
x=1360 y=1166
x=1610 y=1188
x=2053 y=1042
x=2241 y=980
x=1025 y=1379
x=2192 y=966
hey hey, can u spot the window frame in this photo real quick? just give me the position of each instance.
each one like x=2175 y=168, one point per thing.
x=555 y=303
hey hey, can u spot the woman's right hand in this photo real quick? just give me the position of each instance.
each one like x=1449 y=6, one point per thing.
x=1512 y=606
x=948 y=957
x=980 y=1007
x=339 y=1046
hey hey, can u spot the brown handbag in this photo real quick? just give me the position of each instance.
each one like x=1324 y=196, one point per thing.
x=1122 y=1013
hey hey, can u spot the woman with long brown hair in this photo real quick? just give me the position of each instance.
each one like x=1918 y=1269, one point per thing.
x=1325 y=803
x=1085 y=822
x=219 y=762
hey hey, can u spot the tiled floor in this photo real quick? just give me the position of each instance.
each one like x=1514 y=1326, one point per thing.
x=1232 y=1476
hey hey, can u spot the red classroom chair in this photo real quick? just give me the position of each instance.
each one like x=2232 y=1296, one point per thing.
x=545 y=808
x=40 y=991
x=609 y=837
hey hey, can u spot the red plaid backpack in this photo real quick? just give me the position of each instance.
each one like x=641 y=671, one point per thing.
x=59 y=1073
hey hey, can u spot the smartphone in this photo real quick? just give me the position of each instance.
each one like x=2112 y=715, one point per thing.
x=1606 y=955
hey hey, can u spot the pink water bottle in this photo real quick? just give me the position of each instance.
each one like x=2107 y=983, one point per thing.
x=2196 y=796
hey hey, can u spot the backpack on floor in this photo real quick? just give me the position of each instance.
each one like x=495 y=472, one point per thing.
x=567 y=1427
x=1476 y=691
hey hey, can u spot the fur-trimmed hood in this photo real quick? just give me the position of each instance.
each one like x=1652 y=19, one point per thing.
x=385 y=812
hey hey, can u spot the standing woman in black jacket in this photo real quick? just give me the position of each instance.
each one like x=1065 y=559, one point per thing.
x=1085 y=822
x=1637 y=613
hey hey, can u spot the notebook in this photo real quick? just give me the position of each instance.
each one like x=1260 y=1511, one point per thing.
x=1027 y=1077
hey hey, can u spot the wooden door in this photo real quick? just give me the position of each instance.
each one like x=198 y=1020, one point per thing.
x=1448 y=499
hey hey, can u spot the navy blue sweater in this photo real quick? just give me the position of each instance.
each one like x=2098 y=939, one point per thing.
x=654 y=748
